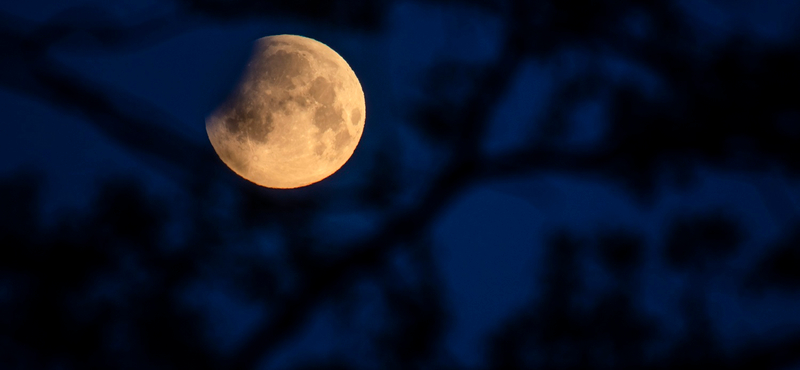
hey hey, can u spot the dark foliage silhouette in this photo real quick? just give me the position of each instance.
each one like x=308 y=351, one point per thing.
x=107 y=289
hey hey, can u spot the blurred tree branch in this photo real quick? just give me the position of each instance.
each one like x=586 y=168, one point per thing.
x=704 y=111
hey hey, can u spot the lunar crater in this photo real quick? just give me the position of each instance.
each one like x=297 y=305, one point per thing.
x=328 y=117
x=355 y=116
x=290 y=64
x=322 y=91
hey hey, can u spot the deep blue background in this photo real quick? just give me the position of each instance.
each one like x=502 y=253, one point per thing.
x=488 y=242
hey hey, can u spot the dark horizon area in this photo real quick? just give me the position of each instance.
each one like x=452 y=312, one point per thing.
x=539 y=185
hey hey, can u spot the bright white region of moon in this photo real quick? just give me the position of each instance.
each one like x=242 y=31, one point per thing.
x=295 y=116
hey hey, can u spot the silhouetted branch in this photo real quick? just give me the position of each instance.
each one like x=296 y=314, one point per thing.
x=730 y=108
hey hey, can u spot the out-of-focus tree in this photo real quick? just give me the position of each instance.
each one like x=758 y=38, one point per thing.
x=104 y=290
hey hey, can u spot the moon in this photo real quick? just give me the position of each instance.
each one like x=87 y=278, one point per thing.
x=295 y=116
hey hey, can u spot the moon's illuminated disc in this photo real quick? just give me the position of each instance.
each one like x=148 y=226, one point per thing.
x=295 y=117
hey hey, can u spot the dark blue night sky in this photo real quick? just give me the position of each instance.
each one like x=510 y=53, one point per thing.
x=541 y=184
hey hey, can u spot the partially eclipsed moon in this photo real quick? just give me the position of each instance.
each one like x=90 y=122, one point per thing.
x=295 y=117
